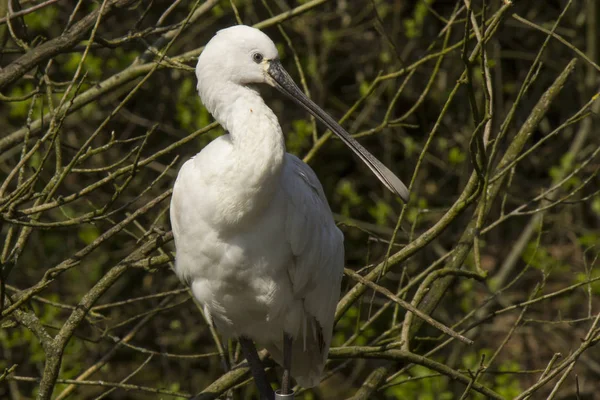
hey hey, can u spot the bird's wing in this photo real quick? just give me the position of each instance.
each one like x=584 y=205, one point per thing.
x=316 y=243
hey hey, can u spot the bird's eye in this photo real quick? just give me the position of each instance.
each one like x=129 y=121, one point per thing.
x=257 y=57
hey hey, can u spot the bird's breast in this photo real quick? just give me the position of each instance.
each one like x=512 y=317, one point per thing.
x=225 y=188
x=241 y=275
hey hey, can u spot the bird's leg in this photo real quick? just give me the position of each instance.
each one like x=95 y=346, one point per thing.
x=287 y=364
x=256 y=367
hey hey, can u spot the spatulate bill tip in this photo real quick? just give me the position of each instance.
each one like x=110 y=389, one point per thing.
x=399 y=189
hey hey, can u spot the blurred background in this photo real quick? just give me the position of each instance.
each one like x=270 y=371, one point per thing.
x=476 y=103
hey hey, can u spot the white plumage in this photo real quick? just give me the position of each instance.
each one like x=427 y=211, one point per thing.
x=254 y=233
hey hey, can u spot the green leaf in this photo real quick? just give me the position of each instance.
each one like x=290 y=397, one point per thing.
x=296 y=141
x=88 y=233
x=348 y=196
x=381 y=212
x=456 y=156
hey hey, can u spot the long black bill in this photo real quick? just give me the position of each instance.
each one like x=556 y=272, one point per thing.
x=283 y=82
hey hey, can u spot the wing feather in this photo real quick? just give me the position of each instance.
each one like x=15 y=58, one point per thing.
x=315 y=272
x=316 y=242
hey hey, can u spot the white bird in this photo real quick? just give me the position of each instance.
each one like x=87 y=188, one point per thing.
x=254 y=234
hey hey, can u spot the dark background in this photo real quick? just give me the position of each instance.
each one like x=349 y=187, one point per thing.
x=129 y=118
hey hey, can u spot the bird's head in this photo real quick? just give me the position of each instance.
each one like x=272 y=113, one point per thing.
x=245 y=56
x=240 y=54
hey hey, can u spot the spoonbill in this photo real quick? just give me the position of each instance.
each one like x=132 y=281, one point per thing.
x=254 y=235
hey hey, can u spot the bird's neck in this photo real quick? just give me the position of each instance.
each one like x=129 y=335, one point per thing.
x=241 y=111
x=257 y=141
